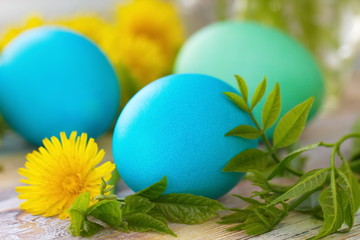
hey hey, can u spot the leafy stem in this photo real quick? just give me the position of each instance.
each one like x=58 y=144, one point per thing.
x=146 y=210
x=338 y=197
x=270 y=149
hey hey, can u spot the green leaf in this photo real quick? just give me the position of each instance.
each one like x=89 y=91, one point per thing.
x=154 y=191
x=308 y=182
x=142 y=222
x=354 y=184
x=238 y=100
x=291 y=125
x=107 y=211
x=330 y=204
x=248 y=200
x=137 y=204
x=242 y=86
x=258 y=179
x=288 y=158
x=81 y=203
x=245 y=131
x=90 y=228
x=122 y=227
x=347 y=198
x=261 y=220
x=248 y=160
x=77 y=213
x=237 y=217
x=115 y=178
x=272 y=107
x=187 y=208
x=157 y=215
x=259 y=93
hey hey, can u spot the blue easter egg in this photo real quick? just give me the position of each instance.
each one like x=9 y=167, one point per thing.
x=175 y=127
x=52 y=80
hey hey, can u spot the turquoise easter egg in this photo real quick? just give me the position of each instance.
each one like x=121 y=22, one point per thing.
x=52 y=80
x=253 y=51
x=175 y=127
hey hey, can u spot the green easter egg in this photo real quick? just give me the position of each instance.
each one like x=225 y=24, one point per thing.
x=253 y=51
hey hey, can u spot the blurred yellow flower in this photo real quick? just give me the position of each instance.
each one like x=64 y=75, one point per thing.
x=90 y=25
x=142 y=57
x=145 y=39
x=59 y=172
x=154 y=20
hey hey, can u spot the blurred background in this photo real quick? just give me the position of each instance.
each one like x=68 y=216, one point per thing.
x=156 y=30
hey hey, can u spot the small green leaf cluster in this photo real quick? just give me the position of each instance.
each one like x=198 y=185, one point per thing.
x=337 y=189
x=147 y=210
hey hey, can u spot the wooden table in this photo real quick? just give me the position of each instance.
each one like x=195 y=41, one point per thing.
x=15 y=224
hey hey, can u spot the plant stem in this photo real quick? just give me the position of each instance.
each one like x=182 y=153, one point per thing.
x=328 y=145
x=336 y=148
x=346 y=137
x=269 y=147
x=332 y=157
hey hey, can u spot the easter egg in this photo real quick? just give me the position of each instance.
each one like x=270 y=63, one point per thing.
x=52 y=80
x=253 y=51
x=175 y=127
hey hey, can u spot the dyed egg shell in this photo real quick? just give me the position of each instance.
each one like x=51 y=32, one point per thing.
x=53 y=80
x=253 y=51
x=175 y=127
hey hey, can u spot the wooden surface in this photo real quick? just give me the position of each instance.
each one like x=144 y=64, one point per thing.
x=15 y=224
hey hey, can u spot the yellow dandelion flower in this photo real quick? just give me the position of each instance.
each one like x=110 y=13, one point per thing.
x=146 y=37
x=143 y=58
x=12 y=32
x=59 y=172
x=153 y=19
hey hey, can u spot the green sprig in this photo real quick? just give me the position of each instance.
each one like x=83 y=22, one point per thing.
x=147 y=210
x=337 y=189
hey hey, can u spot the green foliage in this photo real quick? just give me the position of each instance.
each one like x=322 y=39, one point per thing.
x=147 y=210
x=289 y=157
x=245 y=131
x=308 y=182
x=107 y=211
x=336 y=190
x=272 y=107
x=142 y=222
x=187 y=208
x=330 y=202
x=291 y=125
x=239 y=101
x=241 y=163
x=154 y=191
x=77 y=213
x=259 y=93
x=242 y=86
